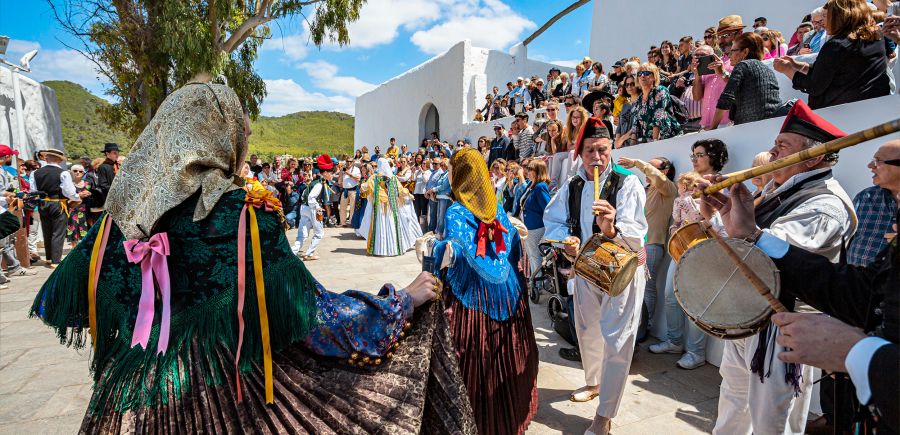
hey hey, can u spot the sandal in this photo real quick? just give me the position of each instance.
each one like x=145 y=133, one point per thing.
x=582 y=395
x=311 y=258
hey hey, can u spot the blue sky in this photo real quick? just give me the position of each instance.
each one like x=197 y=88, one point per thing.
x=391 y=37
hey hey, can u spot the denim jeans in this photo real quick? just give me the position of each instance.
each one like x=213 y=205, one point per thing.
x=680 y=328
x=655 y=255
x=432 y=215
x=442 y=206
x=8 y=250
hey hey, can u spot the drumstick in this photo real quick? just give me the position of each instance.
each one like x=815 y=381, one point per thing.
x=757 y=283
x=564 y=242
x=596 y=186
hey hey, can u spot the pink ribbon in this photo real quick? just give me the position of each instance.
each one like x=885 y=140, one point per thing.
x=241 y=286
x=152 y=256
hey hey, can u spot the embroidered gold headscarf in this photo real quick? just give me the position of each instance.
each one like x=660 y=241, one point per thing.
x=471 y=184
x=194 y=142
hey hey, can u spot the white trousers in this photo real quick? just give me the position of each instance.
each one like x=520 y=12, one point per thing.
x=308 y=223
x=607 y=328
x=747 y=405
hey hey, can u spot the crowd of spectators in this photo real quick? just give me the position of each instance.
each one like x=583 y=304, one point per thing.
x=726 y=78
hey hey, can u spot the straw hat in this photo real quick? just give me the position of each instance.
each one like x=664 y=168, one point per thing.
x=731 y=22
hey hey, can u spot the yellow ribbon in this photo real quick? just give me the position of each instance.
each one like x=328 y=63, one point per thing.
x=63 y=204
x=92 y=282
x=261 y=301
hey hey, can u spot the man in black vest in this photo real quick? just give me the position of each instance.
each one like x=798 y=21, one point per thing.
x=807 y=207
x=106 y=173
x=859 y=340
x=606 y=326
x=56 y=183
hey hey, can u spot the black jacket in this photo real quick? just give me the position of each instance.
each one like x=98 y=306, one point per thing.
x=866 y=297
x=105 y=175
x=845 y=71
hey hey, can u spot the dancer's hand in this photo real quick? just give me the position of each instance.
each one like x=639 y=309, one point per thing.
x=422 y=289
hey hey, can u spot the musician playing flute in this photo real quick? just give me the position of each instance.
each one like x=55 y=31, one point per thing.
x=606 y=326
x=806 y=206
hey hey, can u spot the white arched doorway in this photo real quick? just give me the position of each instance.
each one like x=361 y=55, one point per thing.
x=429 y=121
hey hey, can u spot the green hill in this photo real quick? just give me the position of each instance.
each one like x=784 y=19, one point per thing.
x=298 y=134
x=303 y=134
x=83 y=132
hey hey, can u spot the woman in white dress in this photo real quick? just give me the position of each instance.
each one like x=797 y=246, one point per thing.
x=389 y=224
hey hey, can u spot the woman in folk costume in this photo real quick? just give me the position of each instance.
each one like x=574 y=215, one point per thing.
x=606 y=326
x=490 y=320
x=202 y=320
x=389 y=225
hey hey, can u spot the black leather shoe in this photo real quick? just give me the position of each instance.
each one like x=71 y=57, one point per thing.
x=570 y=354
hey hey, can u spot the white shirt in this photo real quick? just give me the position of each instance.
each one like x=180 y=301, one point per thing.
x=65 y=183
x=630 y=220
x=819 y=225
x=347 y=180
x=271 y=176
x=421 y=178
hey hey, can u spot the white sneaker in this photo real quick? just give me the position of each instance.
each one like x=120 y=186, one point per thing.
x=690 y=361
x=22 y=272
x=296 y=248
x=665 y=347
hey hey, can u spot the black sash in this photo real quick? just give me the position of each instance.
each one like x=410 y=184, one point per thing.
x=608 y=193
x=783 y=203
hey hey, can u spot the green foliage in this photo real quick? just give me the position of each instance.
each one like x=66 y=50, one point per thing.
x=298 y=134
x=148 y=48
x=84 y=131
x=303 y=134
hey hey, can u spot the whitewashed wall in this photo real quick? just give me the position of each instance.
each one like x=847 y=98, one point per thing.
x=42 y=123
x=614 y=32
x=455 y=82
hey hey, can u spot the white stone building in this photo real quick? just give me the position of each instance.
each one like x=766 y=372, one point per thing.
x=42 y=123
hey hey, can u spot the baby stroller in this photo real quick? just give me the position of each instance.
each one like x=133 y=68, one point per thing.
x=551 y=278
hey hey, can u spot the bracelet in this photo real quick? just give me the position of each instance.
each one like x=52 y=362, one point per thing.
x=753 y=238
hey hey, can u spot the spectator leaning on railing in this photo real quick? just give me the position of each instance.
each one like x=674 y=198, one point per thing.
x=707 y=88
x=851 y=65
x=752 y=90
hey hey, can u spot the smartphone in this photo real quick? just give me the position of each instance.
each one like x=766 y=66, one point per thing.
x=703 y=65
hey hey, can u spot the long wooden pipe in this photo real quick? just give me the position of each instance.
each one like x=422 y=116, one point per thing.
x=809 y=153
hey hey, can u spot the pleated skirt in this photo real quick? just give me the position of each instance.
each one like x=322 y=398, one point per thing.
x=499 y=365
x=389 y=233
x=419 y=391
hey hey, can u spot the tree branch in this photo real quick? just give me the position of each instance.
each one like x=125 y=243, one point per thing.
x=555 y=18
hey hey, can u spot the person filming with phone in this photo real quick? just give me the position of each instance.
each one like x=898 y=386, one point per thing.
x=707 y=84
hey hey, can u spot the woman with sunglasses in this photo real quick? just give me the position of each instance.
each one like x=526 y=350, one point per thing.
x=630 y=90
x=78 y=224
x=653 y=120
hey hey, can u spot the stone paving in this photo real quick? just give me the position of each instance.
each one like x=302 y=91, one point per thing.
x=45 y=387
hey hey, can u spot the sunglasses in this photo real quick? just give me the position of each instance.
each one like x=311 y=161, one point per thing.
x=878 y=162
x=644 y=73
x=551 y=110
x=78 y=172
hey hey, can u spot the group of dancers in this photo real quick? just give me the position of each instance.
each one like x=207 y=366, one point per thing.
x=193 y=329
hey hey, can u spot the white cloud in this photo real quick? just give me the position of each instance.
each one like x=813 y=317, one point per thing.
x=286 y=96
x=58 y=64
x=379 y=20
x=325 y=76
x=487 y=23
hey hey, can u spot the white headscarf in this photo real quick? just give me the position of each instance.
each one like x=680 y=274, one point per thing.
x=384 y=167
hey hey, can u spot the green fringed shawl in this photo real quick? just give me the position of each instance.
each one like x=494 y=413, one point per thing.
x=203 y=271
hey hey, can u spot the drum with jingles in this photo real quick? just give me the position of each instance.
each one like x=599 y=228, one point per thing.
x=606 y=265
x=717 y=297
x=686 y=237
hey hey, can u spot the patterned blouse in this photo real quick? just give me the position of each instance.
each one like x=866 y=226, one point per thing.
x=654 y=113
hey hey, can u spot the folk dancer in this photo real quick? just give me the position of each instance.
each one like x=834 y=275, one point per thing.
x=487 y=305
x=810 y=210
x=311 y=211
x=234 y=317
x=606 y=326
x=389 y=224
x=866 y=297
x=56 y=183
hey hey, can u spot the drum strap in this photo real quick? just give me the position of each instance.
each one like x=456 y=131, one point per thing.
x=608 y=193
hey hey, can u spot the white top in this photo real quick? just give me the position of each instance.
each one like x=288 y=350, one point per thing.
x=65 y=183
x=271 y=177
x=819 y=225
x=348 y=181
x=421 y=178
x=630 y=220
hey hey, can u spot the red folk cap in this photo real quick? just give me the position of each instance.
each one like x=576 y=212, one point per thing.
x=324 y=162
x=5 y=150
x=593 y=127
x=803 y=121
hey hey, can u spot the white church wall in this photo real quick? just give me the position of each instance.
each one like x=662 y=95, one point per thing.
x=613 y=34
x=42 y=123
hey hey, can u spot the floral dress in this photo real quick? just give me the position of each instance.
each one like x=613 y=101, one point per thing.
x=78 y=224
x=654 y=113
